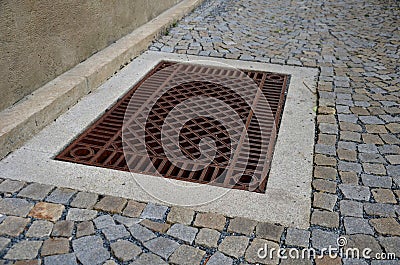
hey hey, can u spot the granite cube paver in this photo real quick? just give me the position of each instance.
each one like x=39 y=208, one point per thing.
x=154 y=211
x=48 y=211
x=183 y=232
x=391 y=245
x=40 y=228
x=14 y=206
x=155 y=226
x=111 y=204
x=242 y=225
x=35 y=191
x=386 y=226
x=297 y=237
x=362 y=241
x=208 y=237
x=219 y=259
x=4 y=242
x=322 y=239
x=324 y=201
x=124 y=250
x=11 y=186
x=351 y=208
x=161 y=246
x=84 y=229
x=180 y=215
x=90 y=250
x=380 y=209
x=127 y=221
x=141 y=233
x=65 y=259
x=234 y=246
x=357 y=226
x=61 y=195
x=24 y=250
x=254 y=255
x=103 y=221
x=115 y=232
x=13 y=226
x=269 y=231
x=55 y=246
x=187 y=255
x=133 y=208
x=355 y=192
x=324 y=185
x=383 y=196
x=147 y=258
x=325 y=218
x=84 y=200
x=79 y=215
x=63 y=228
x=210 y=220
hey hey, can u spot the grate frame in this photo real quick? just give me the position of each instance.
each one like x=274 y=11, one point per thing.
x=109 y=153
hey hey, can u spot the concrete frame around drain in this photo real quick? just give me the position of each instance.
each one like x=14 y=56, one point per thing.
x=287 y=199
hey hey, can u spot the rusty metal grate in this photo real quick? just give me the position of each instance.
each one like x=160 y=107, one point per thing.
x=137 y=134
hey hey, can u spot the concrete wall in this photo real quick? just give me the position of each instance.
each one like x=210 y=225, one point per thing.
x=41 y=39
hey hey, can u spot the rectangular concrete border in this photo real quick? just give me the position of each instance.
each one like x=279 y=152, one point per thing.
x=288 y=195
x=23 y=120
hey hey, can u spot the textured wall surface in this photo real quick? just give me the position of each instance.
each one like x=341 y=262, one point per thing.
x=40 y=40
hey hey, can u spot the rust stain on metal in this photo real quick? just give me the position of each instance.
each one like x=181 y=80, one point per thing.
x=102 y=143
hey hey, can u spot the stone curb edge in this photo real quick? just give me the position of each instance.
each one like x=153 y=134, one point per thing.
x=23 y=120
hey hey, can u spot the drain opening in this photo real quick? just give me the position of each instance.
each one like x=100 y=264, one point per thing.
x=102 y=143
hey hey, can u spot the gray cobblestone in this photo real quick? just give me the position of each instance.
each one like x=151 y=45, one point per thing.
x=66 y=259
x=35 y=191
x=4 y=242
x=297 y=237
x=153 y=211
x=357 y=226
x=103 y=221
x=321 y=239
x=269 y=231
x=242 y=225
x=84 y=229
x=380 y=209
x=24 y=250
x=13 y=226
x=61 y=195
x=355 y=192
x=234 y=246
x=11 y=186
x=351 y=208
x=141 y=233
x=186 y=255
x=125 y=250
x=219 y=259
x=147 y=258
x=115 y=232
x=127 y=221
x=208 y=237
x=84 y=200
x=183 y=232
x=161 y=246
x=40 y=228
x=76 y=214
x=17 y=207
x=89 y=250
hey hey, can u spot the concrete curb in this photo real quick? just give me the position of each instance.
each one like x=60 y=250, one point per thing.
x=23 y=120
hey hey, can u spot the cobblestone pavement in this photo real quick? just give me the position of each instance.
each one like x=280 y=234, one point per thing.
x=355 y=44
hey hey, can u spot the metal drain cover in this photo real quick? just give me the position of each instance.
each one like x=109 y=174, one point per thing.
x=205 y=124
